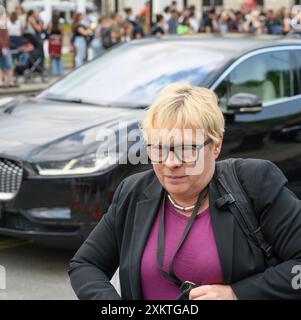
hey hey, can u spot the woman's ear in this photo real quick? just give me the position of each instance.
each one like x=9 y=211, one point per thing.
x=218 y=147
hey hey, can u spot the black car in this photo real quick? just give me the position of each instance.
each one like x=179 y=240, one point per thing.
x=52 y=186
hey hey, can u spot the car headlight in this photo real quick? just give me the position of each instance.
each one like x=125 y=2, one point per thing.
x=83 y=165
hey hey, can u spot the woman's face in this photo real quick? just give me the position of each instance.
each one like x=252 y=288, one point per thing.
x=186 y=180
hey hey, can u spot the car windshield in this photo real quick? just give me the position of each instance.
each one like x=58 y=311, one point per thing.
x=134 y=74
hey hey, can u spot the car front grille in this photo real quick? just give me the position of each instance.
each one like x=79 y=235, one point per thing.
x=11 y=174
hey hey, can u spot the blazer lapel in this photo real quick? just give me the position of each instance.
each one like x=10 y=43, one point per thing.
x=223 y=227
x=145 y=214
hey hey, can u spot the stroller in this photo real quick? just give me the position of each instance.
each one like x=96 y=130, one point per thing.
x=30 y=61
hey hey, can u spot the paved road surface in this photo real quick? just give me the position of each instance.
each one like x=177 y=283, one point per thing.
x=34 y=272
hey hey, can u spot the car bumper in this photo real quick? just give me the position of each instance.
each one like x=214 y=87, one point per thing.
x=57 y=211
x=70 y=240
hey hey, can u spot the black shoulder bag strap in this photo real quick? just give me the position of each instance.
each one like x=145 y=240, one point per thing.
x=234 y=196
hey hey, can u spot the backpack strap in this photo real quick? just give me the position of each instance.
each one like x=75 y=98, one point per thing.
x=234 y=196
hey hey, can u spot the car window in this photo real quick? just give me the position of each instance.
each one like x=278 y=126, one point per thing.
x=266 y=75
x=136 y=73
x=222 y=91
x=297 y=72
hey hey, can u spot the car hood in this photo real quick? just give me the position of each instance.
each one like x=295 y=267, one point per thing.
x=30 y=124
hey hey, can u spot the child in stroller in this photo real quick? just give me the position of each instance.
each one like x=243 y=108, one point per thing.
x=29 y=60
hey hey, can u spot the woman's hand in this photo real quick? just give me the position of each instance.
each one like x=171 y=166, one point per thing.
x=4 y=51
x=212 y=292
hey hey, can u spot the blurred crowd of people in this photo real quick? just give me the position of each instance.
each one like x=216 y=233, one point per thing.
x=254 y=21
x=118 y=28
x=23 y=41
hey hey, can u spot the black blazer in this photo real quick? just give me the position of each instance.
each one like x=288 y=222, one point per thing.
x=120 y=237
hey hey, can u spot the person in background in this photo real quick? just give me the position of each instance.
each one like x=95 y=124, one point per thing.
x=224 y=22
x=278 y=26
x=15 y=33
x=166 y=13
x=184 y=27
x=127 y=32
x=55 y=45
x=160 y=28
x=45 y=21
x=269 y=21
x=129 y=17
x=144 y=14
x=116 y=28
x=138 y=32
x=26 y=47
x=210 y=22
x=80 y=36
x=34 y=28
x=33 y=24
x=21 y=16
x=106 y=33
x=163 y=23
x=253 y=23
x=287 y=18
x=235 y=22
x=277 y=23
x=174 y=6
x=6 y=62
x=44 y=18
x=183 y=14
x=193 y=21
x=173 y=22
x=96 y=44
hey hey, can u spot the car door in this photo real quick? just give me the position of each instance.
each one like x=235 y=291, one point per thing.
x=274 y=133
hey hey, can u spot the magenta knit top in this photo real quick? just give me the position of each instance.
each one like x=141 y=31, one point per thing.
x=197 y=261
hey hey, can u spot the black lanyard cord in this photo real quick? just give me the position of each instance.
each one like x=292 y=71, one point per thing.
x=160 y=245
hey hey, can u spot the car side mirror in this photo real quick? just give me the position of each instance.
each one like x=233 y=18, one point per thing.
x=241 y=103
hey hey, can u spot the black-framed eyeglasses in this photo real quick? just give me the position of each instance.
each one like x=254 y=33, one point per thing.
x=184 y=153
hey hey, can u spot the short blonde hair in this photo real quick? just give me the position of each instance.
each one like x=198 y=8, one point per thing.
x=182 y=106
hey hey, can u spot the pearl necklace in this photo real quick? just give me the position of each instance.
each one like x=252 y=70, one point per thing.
x=183 y=209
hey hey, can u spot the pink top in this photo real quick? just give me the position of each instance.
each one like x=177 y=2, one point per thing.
x=197 y=261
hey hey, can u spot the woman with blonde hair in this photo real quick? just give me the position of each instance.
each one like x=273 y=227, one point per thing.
x=193 y=227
